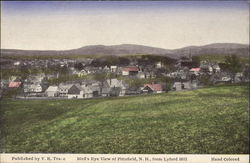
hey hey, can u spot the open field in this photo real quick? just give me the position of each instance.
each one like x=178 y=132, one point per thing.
x=204 y=121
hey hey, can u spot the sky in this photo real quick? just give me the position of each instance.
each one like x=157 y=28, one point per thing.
x=63 y=25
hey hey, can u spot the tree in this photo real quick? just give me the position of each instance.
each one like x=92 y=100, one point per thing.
x=233 y=65
x=196 y=61
x=78 y=66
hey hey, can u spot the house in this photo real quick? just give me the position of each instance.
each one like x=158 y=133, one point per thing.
x=106 y=69
x=141 y=75
x=113 y=69
x=4 y=83
x=146 y=75
x=82 y=73
x=238 y=77
x=33 y=89
x=132 y=90
x=132 y=70
x=95 y=89
x=105 y=91
x=187 y=85
x=178 y=86
x=16 y=63
x=75 y=91
x=115 y=91
x=206 y=67
x=159 y=65
x=152 y=88
x=92 y=70
x=13 y=78
x=14 y=84
x=52 y=91
x=115 y=83
x=216 y=68
x=63 y=89
x=195 y=71
x=87 y=92
x=224 y=80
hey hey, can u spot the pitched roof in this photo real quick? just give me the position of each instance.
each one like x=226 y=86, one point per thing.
x=65 y=86
x=116 y=83
x=195 y=69
x=154 y=87
x=15 y=84
x=52 y=88
x=94 y=87
x=132 y=68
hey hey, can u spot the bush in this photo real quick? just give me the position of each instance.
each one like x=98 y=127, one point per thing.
x=205 y=80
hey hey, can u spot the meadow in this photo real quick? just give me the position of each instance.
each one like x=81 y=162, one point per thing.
x=204 y=121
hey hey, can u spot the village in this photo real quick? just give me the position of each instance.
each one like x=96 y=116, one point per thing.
x=88 y=78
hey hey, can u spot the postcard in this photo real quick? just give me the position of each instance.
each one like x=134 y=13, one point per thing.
x=124 y=81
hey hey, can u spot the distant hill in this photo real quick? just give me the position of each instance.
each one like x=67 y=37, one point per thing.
x=214 y=49
x=131 y=49
x=124 y=49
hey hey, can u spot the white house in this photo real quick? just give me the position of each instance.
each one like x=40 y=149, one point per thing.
x=115 y=83
x=113 y=68
x=141 y=75
x=63 y=89
x=195 y=71
x=82 y=73
x=133 y=70
x=178 y=86
x=32 y=88
x=16 y=63
x=159 y=65
x=52 y=91
x=216 y=68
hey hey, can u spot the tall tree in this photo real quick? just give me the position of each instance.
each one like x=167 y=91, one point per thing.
x=233 y=65
x=196 y=61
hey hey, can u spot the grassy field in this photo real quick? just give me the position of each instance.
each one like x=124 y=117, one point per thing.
x=204 y=121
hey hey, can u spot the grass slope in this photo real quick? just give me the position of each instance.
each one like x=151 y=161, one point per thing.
x=209 y=120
